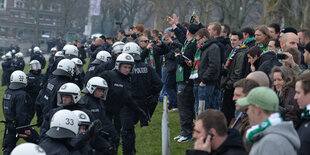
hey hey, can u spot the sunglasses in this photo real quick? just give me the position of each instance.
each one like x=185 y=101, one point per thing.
x=146 y=41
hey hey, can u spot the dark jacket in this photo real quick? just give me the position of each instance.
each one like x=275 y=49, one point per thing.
x=290 y=105
x=97 y=108
x=145 y=81
x=304 y=135
x=55 y=146
x=19 y=64
x=8 y=68
x=233 y=145
x=209 y=66
x=119 y=93
x=171 y=62
x=266 y=62
x=17 y=107
x=226 y=46
x=232 y=74
x=34 y=84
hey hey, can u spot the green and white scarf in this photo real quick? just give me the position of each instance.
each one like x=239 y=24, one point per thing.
x=264 y=48
x=306 y=112
x=194 y=72
x=180 y=69
x=150 y=59
x=248 y=40
x=273 y=119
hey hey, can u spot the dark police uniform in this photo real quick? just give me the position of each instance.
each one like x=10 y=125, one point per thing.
x=18 y=111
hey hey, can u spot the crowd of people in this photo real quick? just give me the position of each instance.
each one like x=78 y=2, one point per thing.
x=247 y=90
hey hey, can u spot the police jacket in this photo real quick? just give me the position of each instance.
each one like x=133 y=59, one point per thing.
x=119 y=93
x=145 y=81
x=17 y=107
x=55 y=146
x=49 y=95
x=20 y=64
x=34 y=84
x=96 y=107
x=8 y=66
x=91 y=71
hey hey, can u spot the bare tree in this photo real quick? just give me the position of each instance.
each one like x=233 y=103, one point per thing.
x=233 y=12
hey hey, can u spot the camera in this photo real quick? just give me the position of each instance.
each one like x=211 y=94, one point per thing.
x=281 y=56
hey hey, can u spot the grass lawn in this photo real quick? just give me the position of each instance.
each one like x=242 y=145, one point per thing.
x=148 y=140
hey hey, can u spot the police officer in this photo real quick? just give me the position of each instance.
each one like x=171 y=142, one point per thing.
x=95 y=93
x=63 y=127
x=119 y=96
x=35 y=79
x=8 y=68
x=79 y=73
x=47 y=98
x=145 y=81
x=117 y=49
x=70 y=51
x=69 y=98
x=18 y=111
x=101 y=58
x=52 y=67
x=84 y=122
x=19 y=63
x=51 y=59
x=38 y=56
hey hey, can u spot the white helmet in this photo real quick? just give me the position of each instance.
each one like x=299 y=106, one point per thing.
x=94 y=83
x=19 y=55
x=18 y=80
x=13 y=51
x=29 y=50
x=103 y=56
x=132 y=49
x=82 y=117
x=28 y=148
x=117 y=47
x=35 y=65
x=71 y=50
x=36 y=49
x=64 y=124
x=54 y=49
x=69 y=89
x=65 y=67
x=3 y=57
x=8 y=55
x=77 y=61
x=59 y=54
x=124 y=58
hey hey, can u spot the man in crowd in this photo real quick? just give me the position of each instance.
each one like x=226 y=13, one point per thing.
x=213 y=137
x=232 y=70
x=268 y=130
x=303 y=97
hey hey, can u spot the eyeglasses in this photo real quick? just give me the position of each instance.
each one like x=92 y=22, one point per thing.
x=146 y=41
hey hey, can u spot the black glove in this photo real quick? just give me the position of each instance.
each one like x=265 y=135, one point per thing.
x=143 y=116
x=94 y=128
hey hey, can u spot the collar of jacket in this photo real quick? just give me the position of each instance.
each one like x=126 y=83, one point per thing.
x=208 y=43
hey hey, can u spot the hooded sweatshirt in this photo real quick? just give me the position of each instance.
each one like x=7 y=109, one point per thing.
x=281 y=139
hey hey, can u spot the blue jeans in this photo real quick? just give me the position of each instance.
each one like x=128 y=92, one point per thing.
x=171 y=89
x=205 y=93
